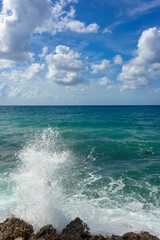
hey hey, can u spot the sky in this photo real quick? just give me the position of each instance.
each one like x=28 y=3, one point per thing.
x=78 y=52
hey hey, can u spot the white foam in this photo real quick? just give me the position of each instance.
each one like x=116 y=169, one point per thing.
x=52 y=187
x=38 y=193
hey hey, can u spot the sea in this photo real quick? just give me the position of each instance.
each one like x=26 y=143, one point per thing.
x=99 y=163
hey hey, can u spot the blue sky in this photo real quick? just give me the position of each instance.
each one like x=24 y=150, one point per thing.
x=78 y=52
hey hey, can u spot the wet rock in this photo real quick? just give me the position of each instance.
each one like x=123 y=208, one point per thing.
x=19 y=238
x=141 y=236
x=45 y=233
x=97 y=237
x=62 y=237
x=147 y=152
x=76 y=229
x=115 y=237
x=13 y=228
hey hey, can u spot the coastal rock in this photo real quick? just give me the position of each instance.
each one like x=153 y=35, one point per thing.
x=19 y=238
x=76 y=229
x=13 y=228
x=141 y=236
x=97 y=237
x=45 y=232
x=115 y=237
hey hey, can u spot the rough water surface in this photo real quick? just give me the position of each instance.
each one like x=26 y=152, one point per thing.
x=101 y=164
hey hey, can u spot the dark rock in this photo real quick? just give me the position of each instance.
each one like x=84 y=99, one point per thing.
x=44 y=233
x=13 y=228
x=147 y=236
x=115 y=237
x=147 y=152
x=76 y=229
x=97 y=237
x=141 y=236
x=62 y=237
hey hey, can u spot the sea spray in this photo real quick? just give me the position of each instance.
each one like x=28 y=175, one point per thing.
x=54 y=186
x=38 y=191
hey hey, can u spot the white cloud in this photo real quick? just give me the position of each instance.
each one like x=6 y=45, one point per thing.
x=19 y=20
x=135 y=76
x=65 y=66
x=80 y=27
x=140 y=71
x=157 y=91
x=107 y=30
x=104 y=81
x=149 y=47
x=99 y=68
x=33 y=72
x=44 y=52
x=3 y=89
x=23 y=91
x=118 y=60
x=15 y=92
x=6 y=64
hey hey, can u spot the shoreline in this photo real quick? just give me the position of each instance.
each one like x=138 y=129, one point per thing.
x=16 y=229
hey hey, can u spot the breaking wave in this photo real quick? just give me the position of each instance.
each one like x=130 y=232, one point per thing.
x=53 y=186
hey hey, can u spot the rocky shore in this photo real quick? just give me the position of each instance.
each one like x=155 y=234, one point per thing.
x=16 y=229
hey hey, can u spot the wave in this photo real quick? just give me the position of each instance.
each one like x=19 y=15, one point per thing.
x=53 y=186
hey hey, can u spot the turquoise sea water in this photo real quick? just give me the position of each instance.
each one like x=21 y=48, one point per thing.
x=99 y=163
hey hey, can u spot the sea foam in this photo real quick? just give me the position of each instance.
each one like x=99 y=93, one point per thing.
x=53 y=186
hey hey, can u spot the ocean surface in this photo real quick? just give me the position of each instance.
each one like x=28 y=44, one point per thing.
x=99 y=163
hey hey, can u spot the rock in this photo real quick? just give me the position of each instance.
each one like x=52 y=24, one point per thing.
x=19 y=238
x=13 y=228
x=97 y=237
x=147 y=152
x=141 y=236
x=147 y=236
x=115 y=237
x=76 y=229
x=44 y=233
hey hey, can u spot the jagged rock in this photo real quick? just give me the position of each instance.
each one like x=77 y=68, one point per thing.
x=76 y=229
x=13 y=228
x=114 y=237
x=44 y=233
x=141 y=236
x=62 y=237
x=97 y=237
x=20 y=238
x=148 y=236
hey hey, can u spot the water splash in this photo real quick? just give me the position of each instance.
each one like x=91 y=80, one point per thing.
x=38 y=192
x=54 y=187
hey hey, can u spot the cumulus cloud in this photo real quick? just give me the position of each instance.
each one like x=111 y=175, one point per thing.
x=118 y=60
x=80 y=27
x=104 y=81
x=65 y=67
x=141 y=70
x=33 y=72
x=19 y=20
x=100 y=68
